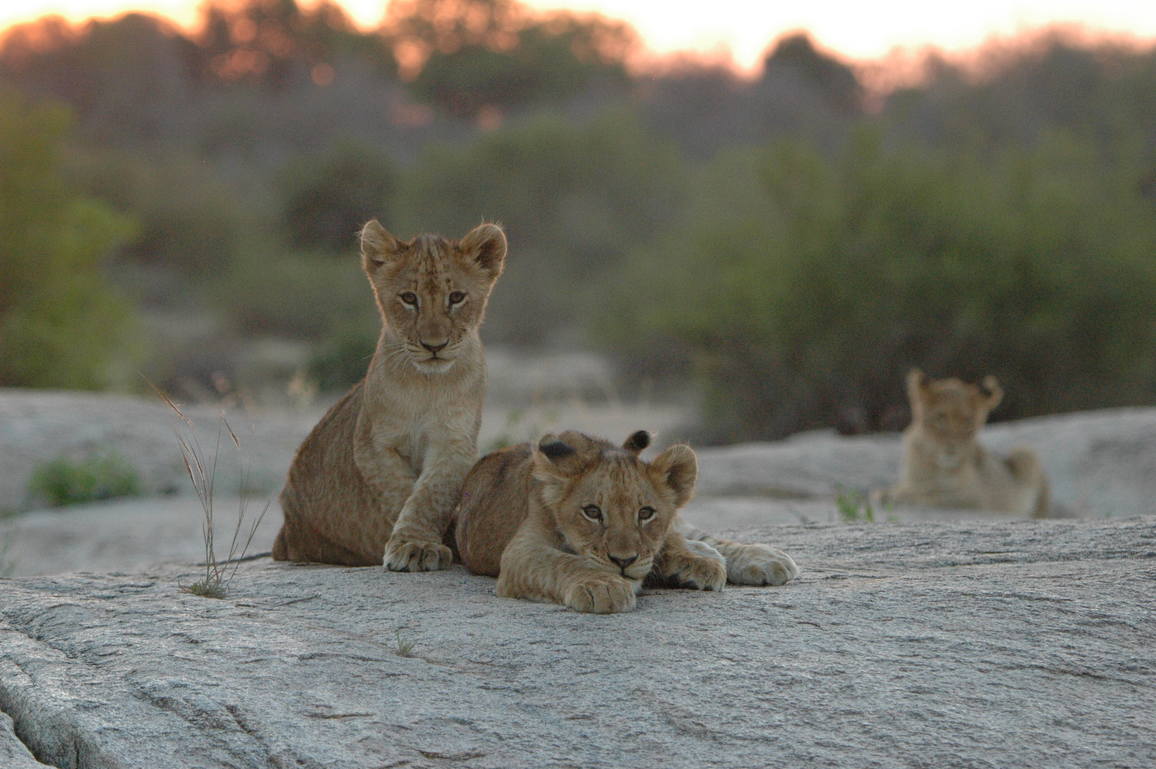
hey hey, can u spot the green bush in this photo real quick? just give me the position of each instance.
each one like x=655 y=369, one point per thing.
x=97 y=477
x=813 y=298
x=322 y=299
x=574 y=197
x=328 y=196
x=190 y=220
x=61 y=322
x=341 y=356
x=276 y=292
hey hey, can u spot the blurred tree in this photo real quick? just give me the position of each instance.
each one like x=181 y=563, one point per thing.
x=328 y=196
x=279 y=43
x=190 y=221
x=1018 y=92
x=1033 y=265
x=262 y=79
x=796 y=55
x=801 y=91
x=701 y=106
x=467 y=57
x=61 y=324
x=126 y=79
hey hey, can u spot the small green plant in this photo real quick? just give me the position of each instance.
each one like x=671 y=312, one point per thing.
x=854 y=506
x=98 y=476
x=404 y=647
x=201 y=469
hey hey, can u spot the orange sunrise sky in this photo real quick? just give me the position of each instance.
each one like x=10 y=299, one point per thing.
x=742 y=29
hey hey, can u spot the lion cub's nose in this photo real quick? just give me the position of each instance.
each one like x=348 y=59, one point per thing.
x=624 y=562
x=434 y=348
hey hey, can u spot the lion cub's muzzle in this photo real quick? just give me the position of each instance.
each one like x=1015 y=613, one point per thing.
x=630 y=567
x=432 y=358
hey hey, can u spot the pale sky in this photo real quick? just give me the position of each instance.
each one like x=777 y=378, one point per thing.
x=744 y=28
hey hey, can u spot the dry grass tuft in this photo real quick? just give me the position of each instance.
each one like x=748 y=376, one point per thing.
x=201 y=468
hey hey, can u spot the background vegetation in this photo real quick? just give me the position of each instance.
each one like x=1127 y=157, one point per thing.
x=184 y=204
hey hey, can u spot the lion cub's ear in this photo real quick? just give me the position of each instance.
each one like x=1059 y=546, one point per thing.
x=637 y=442
x=916 y=383
x=554 y=459
x=486 y=246
x=676 y=469
x=554 y=464
x=378 y=245
x=991 y=392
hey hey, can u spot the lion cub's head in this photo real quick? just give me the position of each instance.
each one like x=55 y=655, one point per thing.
x=432 y=292
x=608 y=504
x=950 y=411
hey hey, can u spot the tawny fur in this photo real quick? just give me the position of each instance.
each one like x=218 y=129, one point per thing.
x=377 y=479
x=526 y=517
x=944 y=464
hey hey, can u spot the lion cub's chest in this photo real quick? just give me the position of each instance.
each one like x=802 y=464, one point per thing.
x=417 y=421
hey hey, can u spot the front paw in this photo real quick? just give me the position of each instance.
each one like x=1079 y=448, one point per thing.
x=600 y=595
x=416 y=555
x=700 y=568
x=760 y=565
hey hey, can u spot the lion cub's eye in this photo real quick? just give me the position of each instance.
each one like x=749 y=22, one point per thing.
x=408 y=297
x=645 y=513
x=457 y=297
x=593 y=512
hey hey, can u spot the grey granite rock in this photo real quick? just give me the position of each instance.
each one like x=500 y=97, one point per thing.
x=14 y=753
x=967 y=644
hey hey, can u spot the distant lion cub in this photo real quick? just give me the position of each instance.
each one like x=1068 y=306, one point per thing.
x=377 y=479
x=945 y=466
x=579 y=521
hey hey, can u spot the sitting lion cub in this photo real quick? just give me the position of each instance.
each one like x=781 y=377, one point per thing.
x=943 y=463
x=581 y=522
x=377 y=479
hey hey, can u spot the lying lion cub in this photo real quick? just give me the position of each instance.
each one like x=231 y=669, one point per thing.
x=377 y=479
x=945 y=466
x=581 y=522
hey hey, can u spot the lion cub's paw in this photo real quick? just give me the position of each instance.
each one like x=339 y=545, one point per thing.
x=416 y=555
x=600 y=595
x=760 y=565
x=702 y=568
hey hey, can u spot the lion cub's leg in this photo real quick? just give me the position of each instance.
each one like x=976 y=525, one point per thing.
x=534 y=570
x=417 y=542
x=413 y=539
x=1025 y=467
x=689 y=564
x=753 y=564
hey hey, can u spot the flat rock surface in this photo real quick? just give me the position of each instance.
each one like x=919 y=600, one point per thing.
x=130 y=535
x=929 y=644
